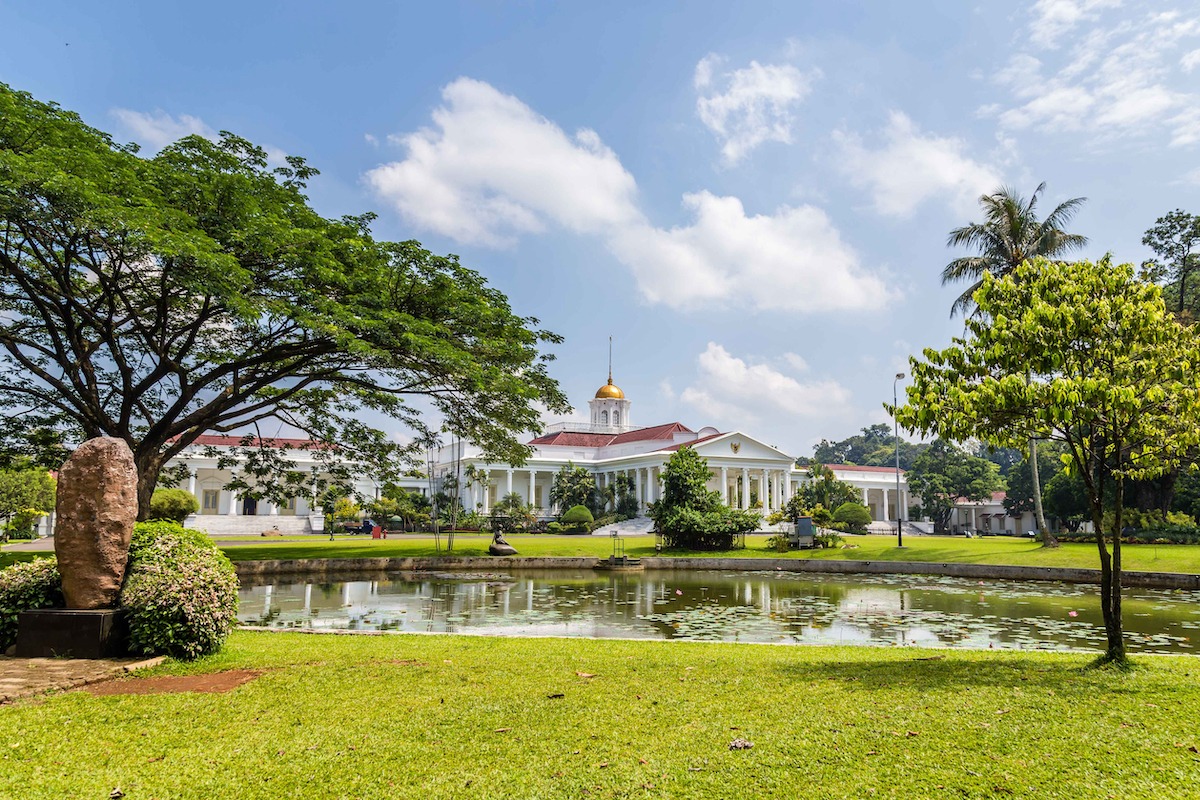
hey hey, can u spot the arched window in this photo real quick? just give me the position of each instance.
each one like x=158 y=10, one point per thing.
x=603 y=417
x=616 y=418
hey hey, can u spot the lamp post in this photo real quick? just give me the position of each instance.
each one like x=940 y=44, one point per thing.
x=896 y=429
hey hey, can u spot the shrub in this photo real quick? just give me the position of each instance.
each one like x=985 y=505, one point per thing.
x=779 y=543
x=577 y=519
x=554 y=527
x=826 y=539
x=180 y=592
x=854 y=516
x=173 y=504
x=25 y=586
x=17 y=531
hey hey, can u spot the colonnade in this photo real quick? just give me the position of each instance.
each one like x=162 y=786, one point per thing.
x=770 y=487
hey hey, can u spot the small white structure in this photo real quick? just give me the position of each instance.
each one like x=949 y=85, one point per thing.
x=989 y=517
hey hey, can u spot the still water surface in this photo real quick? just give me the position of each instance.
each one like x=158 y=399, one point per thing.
x=774 y=607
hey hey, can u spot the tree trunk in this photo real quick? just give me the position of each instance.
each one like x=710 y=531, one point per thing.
x=148 y=467
x=1110 y=583
x=1048 y=539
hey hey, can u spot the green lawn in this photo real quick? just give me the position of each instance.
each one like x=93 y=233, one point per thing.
x=450 y=716
x=991 y=550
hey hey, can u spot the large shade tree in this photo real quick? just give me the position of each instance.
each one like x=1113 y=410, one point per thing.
x=943 y=474
x=1083 y=354
x=1010 y=235
x=155 y=299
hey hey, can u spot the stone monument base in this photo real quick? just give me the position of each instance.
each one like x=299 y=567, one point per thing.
x=72 y=633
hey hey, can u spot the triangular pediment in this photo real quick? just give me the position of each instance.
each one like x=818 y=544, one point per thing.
x=737 y=446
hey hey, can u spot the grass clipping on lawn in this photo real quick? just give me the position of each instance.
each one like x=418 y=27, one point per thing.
x=451 y=716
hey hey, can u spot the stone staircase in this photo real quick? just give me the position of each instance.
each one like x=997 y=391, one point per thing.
x=225 y=525
x=631 y=527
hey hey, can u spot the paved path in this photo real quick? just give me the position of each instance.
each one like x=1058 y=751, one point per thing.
x=25 y=677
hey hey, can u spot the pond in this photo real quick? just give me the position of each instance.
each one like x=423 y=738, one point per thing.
x=771 y=607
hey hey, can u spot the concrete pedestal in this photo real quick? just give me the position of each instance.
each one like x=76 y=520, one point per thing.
x=72 y=633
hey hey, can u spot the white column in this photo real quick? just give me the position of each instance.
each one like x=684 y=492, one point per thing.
x=192 y=482
x=487 y=494
x=745 y=489
x=972 y=519
x=272 y=508
x=887 y=506
x=764 y=493
x=787 y=486
x=725 y=485
x=508 y=491
x=532 y=481
x=233 y=509
x=866 y=498
x=637 y=487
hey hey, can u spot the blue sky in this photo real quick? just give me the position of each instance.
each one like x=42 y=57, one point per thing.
x=752 y=199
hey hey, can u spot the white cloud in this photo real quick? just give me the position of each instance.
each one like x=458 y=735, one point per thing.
x=912 y=167
x=1053 y=19
x=732 y=391
x=156 y=129
x=749 y=106
x=1120 y=77
x=726 y=257
x=493 y=169
x=795 y=361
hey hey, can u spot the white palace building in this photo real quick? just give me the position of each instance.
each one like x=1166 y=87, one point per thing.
x=742 y=468
x=611 y=444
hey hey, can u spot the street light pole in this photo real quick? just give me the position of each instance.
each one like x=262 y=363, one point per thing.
x=896 y=429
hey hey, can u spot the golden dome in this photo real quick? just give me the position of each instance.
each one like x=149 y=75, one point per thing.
x=608 y=391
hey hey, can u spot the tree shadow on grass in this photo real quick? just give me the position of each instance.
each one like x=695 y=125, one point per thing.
x=959 y=671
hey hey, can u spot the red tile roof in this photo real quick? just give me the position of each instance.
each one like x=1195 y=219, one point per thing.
x=570 y=439
x=694 y=441
x=859 y=468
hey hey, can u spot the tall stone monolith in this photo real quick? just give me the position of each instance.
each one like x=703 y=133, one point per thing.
x=97 y=505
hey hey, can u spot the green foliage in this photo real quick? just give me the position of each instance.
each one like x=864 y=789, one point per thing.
x=1111 y=377
x=575 y=486
x=554 y=527
x=1009 y=235
x=826 y=539
x=511 y=514
x=345 y=509
x=180 y=592
x=855 y=516
x=26 y=493
x=1067 y=499
x=875 y=446
x=1175 y=240
x=821 y=516
x=1019 y=490
x=944 y=473
x=24 y=587
x=577 y=518
x=172 y=504
x=202 y=291
x=690 y=515
x=822 y=487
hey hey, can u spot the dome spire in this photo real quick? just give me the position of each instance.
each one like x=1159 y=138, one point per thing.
x=610 y=359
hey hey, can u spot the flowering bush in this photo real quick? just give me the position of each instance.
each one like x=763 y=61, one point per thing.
x=25 y=586
x=180 y=592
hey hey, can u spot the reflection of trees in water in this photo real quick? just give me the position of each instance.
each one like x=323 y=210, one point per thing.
x=749 y=606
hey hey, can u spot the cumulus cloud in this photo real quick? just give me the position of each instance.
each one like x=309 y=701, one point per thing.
x=1121 y=76
x=747 y=107
x=728 y=257
x=491 y=170
x=730 y=390
x=911 y=167
x=156 y=129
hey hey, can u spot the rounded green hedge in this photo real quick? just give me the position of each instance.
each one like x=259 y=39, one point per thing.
x=854 y=515
x=180 y=592
x=173 y=504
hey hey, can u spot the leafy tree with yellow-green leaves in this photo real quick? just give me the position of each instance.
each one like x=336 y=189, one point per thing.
x=1083 y=354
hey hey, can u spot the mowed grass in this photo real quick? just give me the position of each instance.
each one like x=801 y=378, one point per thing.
x=451 y=716
x=990 y=550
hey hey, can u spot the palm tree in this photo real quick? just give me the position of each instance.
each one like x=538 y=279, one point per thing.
x=1009 y=235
